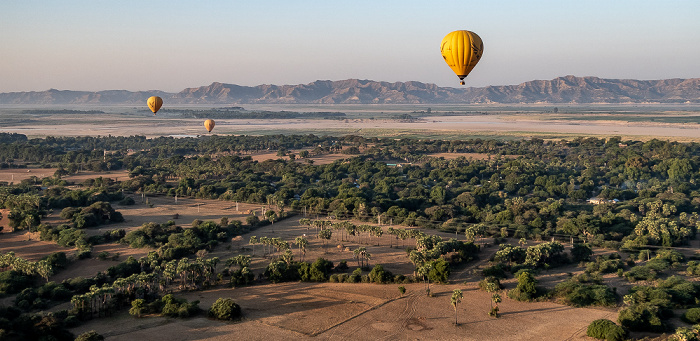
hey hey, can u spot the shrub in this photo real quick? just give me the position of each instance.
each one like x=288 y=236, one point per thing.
x=103 y=255
x=526 y=289
x=497 y=270
x=280 y=271
x=57 y=259
x=225 y=309
x=605 y=264
x=490 y=284
x=581 y=252
x=642 y=317
x=318 y=271
x=641 y=272
x=138 y=307
x=342 y=266
x=127 y=201
x=439 y=271
x=692 y=315
x=579 y=294
x=173 y=307
x=402 y=290
x=686 y=334
x=12 y=282
x=379 y=275
x=616 y=334
x=90 y=336
x=606 y=329
x=693 y=269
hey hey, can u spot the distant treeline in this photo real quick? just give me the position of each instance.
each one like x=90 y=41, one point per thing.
x=240 y=113
x=60 y=112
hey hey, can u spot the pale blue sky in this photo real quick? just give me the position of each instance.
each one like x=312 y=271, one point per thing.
x=171 y=45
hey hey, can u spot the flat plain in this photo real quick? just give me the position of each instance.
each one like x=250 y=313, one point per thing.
x=331 y=310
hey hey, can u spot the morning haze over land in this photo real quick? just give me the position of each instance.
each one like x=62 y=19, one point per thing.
x=333 y=181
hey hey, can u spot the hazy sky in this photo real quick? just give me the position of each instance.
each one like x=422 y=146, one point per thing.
x=171 y=45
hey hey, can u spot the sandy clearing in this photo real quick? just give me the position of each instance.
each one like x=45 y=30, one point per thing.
x=26 y=245
x=328 y=311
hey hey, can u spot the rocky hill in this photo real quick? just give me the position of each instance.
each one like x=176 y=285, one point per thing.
x=569 y=89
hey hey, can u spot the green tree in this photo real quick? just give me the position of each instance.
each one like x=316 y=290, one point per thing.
x=225 y=309
x=456 y=299
x=495 y=300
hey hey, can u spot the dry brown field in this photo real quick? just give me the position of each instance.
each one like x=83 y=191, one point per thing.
x=317 y=310
x=327 y=311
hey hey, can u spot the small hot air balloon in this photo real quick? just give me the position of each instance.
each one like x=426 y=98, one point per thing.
x=154 y=103
x=209 y=124
x=462 y=50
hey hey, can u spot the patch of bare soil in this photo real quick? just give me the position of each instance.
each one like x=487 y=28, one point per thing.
x=16 y=175
x=91 y=266
x=28 y=246
x=357 y=311
x=78 y=178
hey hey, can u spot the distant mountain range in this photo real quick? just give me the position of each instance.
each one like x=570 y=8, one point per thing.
x=569 y=89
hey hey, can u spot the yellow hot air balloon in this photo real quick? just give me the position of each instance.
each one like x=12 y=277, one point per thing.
x=209 y=124
x=154 y=103
x=462 y=50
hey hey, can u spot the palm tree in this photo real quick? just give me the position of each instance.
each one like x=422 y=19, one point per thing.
x=253 y=241
x=495 y=299
x=325 y=234
x=456 y=299
x=302 y=243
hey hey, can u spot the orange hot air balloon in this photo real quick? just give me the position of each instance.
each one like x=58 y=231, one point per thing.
x=154 y=103
x=461 y=51
x=209 y=124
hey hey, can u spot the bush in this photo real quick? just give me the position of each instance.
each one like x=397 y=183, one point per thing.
x=402 y=290
x=173 y=307
x=642 y=317
x=581 y=252
x=439 y=271
x=138 y=307
x=225 y=309
x=279 y=271
x=692 y=315
x=90 y=336
x=497 y=270
x=526 y=289
x=342 y=266
x=605 y=264
x=579 y=294
x=379 y=275
x=57 y=259
x=693 y=269
x=12 y=282
x=606 y=329
x=641 y=272
x=490 y=284
x=127 y=201
x=354 y=278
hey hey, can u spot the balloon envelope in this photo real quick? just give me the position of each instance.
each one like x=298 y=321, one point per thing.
x=154 y=103
x=209 y=124
x=461 y=51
